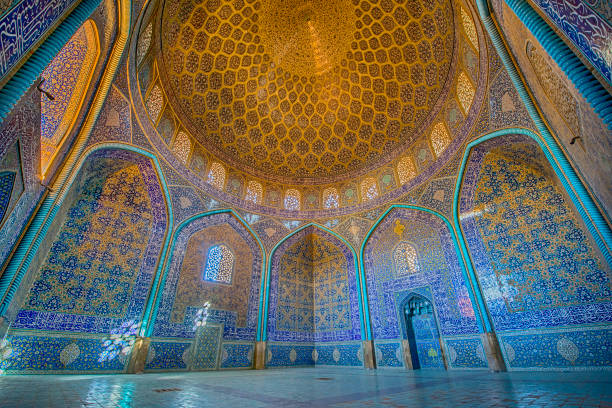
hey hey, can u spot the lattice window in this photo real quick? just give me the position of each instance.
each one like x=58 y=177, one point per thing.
x=331 y=198
x=465 y=91
x=469 y=28
x=216 y=176
x=440 y=138
x=406 y=260
x=155 y=102
x=182 y=146
x=254 y=192
x=369 y=190
x=219 y=264
x=292 y=200
x=406 y=170
x=144 y=42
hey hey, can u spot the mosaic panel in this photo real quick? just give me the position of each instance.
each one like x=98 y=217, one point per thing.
x=166 y=355
x=206 y=349
x=236 y=355
x=505 y=106
x=585 y=28
x=535 y=261
x=439 y=270
x=466 y=353
x=341 y=354
x=185 y=291
x=24 y=25
x=282 y=355
x=99 y=268
x=114 y=122
x=313 y=292
x=389 y=355
x=7 y=180
x=563 y=348
x=23 y=353
x=427 y=341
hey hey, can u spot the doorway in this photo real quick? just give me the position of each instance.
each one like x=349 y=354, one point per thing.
x=422 y=333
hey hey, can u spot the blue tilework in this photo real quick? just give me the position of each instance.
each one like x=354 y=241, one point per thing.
x=313 y=291
x=560 y=348
x=71 y=310
x=439 y=270
x=389 y=355
x=237 y=355
x=428 y=345
x=167 y=355
x=7 y=179
x=584 y=27
x=165 y=326
x=535 y=261
x=280 y=355
x=206 y=350
x=33 y=353
x=24 y=25
x=347 y=354
x=466 y=353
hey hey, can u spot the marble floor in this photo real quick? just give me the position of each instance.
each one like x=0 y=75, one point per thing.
x=311 y=387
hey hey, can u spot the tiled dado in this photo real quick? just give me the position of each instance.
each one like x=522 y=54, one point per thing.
x=465 y=352
x=348 y=354
x=28 y=352
x=579 y=348
x=389 y=354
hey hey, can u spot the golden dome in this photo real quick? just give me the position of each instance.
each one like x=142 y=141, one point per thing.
x=305 y=91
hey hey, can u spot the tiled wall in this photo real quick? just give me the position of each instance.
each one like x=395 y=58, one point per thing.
x=313 y=299
x=536 y=262
x=233 y=306
x=96 y=276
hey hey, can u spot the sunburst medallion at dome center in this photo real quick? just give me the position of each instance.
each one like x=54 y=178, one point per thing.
x=307 y=38
x=305 y=91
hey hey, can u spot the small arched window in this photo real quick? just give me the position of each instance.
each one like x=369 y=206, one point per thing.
x=219 y=264
x=292 y=199
x=369 y=189
x=406 y=260
x=465 y=91
x=406 y=170
x=182 y=146
x=216 y=176
x=439 y=138
x=254 y=192
x=331 y=198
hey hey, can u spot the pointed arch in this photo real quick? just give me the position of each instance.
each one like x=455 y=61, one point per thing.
x=323 y=229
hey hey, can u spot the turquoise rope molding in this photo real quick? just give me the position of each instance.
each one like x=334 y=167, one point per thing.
x=595 y=220
x=29 y=72
x=473 y=291
x=587 y=84
x=558 y=171
x=37 y=231
x=160 y=282
x=362 y=311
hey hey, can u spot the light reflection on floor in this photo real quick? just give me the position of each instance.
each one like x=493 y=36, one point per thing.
x=311 y=387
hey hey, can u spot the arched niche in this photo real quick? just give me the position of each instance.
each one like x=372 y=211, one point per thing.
x=93 y=273
x=438 y=277
x=66 y=80
x=313 y=311
x=544 y=280
x=232 y=320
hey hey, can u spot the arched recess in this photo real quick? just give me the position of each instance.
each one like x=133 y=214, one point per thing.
x=66 y=80
x=546 y=284
x=234 y=308
x=95 y=264
x=312 y=304
x=441 y=277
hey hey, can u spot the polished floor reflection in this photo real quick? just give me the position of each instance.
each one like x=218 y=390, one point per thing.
x=312 y=387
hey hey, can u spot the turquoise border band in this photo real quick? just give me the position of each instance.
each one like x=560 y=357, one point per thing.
x=23 y=79
x=37 y=231
x=587 y=84
x=264 y=334
x=155 y=294
x=482 y=320
x=595 y=220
